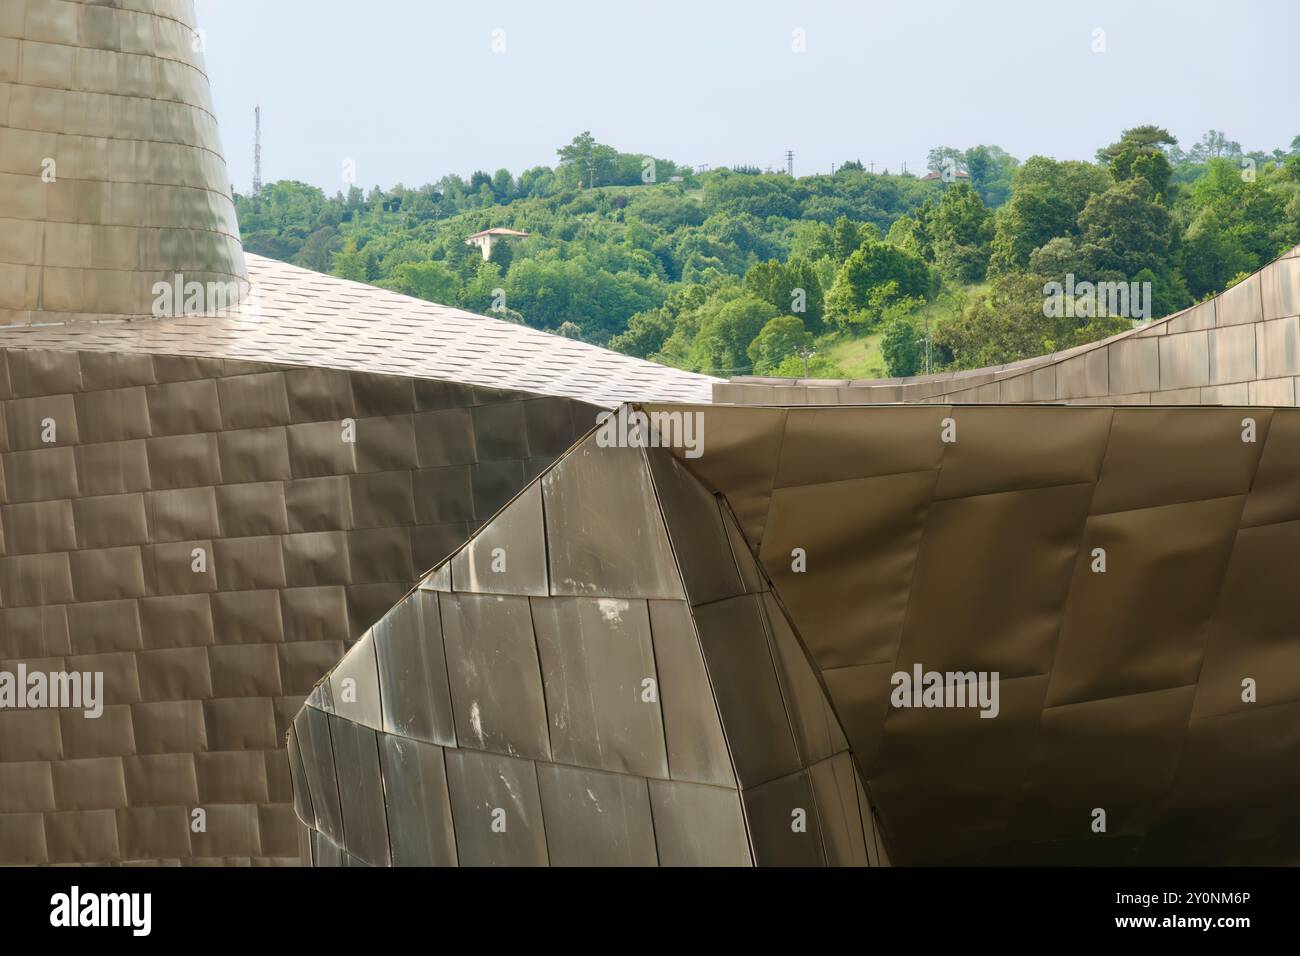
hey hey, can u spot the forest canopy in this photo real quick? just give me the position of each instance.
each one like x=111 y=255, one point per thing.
x=849 y=274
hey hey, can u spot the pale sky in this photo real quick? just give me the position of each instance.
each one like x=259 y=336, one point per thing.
x=413 y=89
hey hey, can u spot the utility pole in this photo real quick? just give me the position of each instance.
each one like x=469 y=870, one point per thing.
x=873 y=167
x=806 y=354
x=257 y=149
x=789 y=162
x=927 y=343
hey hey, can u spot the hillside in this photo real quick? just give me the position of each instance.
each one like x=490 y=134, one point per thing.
x=855 y=274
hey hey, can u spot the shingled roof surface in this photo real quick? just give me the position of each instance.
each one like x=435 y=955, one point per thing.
x=299 y=317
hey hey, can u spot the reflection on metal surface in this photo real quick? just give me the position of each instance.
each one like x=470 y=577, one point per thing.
x=1118 y=568
x=1116 y=573
x=656 y=731
x=111 y=174
x=202 y=532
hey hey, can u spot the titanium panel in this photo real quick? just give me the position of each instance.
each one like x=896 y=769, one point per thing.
x=508 y=556
x=697 y=749
x=494 y=674
x=733 y=634
x=419 y=806
x=605 y=535
x=415 y=698
x=783 y=824
x=698 y=826
x=602 y=690
x=497 y=810
x=595 y=818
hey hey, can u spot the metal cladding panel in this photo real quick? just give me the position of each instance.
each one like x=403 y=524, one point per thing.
x=1134 y=365
x=1202 y=455
x=695 y=525
x=697 y=749
x=605 y=533
x=602 y=691
x=1240 y=304
x=1075 y=770
x=413 y=690
x=733 y=634
x=312 y=729
x=813 y=542
x=835 y=789
x=816 y=728
x=509 y=555
x=989 y=454
x=698 y=826
x=193 y=534
x=1013 y=604
x=419 y=808
x=1278 y=347
x=497 y=810
x=356 y=760
x=495 y=677
x=1144 y=629
x=1232 y=355
x=354 y=685
x=1251 y=635
x=1281 y=289
x=783 y=823
x=1118 y=570
x=824 y=445
x=138 y=192
x=596 y=819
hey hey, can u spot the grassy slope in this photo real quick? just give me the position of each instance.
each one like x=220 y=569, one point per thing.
x=858 y=355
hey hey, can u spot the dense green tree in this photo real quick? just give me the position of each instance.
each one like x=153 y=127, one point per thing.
x=847 y=236
x=1150 y=165
x=586 y=161
x=1142 y=138
x=991 y=171
x=1046 y=199
x=915 y=233
x=433 y=281
x=963 y=232
x=722 y=345
x=873 y=277
x=792 y=287
x=903 y=346
x=782 y=336
x=1124 y=231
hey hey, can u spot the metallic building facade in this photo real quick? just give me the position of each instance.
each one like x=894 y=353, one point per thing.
x=601 y=676
x=111 y=173
x=1121 y=572
x=206 y=535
